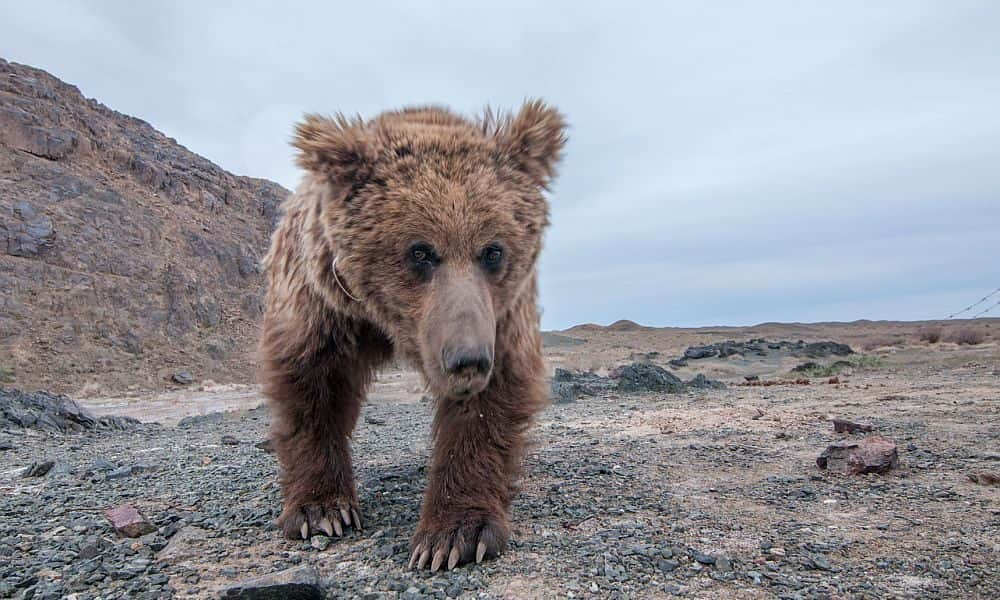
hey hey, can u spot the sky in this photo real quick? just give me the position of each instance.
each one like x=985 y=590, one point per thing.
x=729 y=163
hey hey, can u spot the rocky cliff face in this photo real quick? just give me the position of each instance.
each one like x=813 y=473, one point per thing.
x=124 y=257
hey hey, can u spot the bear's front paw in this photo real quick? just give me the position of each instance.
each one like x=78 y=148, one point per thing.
x=299 y=521
x=476 y=537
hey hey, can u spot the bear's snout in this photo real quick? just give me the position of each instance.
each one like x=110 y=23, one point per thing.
x=476 y=361
x=460 y=333
x=468 y=368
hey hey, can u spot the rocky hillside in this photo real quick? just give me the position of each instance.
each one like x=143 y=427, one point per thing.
x=124 y=257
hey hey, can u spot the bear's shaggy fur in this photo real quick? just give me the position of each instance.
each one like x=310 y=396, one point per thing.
x=415 y=234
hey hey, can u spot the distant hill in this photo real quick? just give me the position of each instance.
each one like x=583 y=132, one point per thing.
x=124 y=257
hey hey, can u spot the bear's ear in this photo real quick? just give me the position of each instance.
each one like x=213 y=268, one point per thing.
x=532 y=141
x=337 y=147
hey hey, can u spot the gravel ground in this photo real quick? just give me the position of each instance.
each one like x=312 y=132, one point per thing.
x=707 y=494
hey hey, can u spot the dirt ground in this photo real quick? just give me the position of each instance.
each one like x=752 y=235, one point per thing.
x=703 y=494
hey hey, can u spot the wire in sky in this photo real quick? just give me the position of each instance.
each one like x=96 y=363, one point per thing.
x=981 y=313
x=975 y=304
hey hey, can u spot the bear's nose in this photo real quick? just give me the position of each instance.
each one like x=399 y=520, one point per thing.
x=468 y=360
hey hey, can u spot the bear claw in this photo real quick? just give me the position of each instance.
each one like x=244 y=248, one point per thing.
x=450 y=549
x=305 y=521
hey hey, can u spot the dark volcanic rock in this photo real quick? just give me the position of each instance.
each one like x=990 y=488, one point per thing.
x=696 y=352
x=643 y=377
x=39 y=469
x=182 y=378
x=760 y=347
x=300 y=583
x=193 y=420
x=875 y=454
x=823 y=349
x=566 y=386
x=52 y=412
x=701 y=382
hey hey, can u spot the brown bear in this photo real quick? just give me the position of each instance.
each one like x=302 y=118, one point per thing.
x=415 y=234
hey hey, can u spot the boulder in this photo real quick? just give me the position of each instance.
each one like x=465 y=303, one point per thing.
x=128 y=521
x=299 y=583
x=52 y=412
x=643 y=377
x=874 y=454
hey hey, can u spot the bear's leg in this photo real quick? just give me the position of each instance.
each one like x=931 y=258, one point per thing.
x=479 y=443
x=316 y=380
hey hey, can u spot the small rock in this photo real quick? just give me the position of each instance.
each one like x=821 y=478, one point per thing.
x=39 y=469
x=776 y=551
x=90 y=548
x=128 y=471
x=103 y=464
x=6 y=445
x=844 y=426
x=182 y=378
x=752 y=377
x=667 y=566
x=265 y=445
x=299 y=583
x=128 y=522
x=821 y=563
x=374 y=420
x=985 y=478
x=230 y=440
x=184 y=545
x=723 y=564
x=875 y=454
x=705 y=559
x=320 y=542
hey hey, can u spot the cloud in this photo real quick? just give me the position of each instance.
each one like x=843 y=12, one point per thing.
x=759 y=162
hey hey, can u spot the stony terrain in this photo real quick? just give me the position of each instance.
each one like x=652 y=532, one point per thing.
x=704 y=493
x=672 y=462
x=123 y=256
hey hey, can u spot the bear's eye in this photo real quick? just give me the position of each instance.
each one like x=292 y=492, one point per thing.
x=422 y=258
x=491 y=257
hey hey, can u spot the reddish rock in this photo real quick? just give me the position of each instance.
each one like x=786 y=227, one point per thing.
x=875 y=454
x=844 y=426
x=128 y=521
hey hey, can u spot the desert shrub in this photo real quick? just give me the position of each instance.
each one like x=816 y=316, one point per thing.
x=864 y=361
x=856 y=361
x=882 y=342
x=930 y=334
x=6 y=375
x=969 y=336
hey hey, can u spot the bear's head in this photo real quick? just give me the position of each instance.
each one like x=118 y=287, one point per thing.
x=436 y=225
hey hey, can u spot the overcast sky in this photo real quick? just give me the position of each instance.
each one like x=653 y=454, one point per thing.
x=728 y=163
